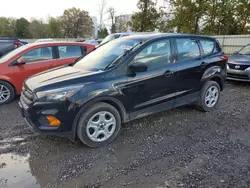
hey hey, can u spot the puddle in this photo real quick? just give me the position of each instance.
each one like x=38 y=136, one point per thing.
x=15 y=172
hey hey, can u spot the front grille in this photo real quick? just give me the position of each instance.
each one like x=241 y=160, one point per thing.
x=241 y=67
x=26 y=97
x=238 y=76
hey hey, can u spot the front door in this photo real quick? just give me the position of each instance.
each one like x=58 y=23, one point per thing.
x=152 y=91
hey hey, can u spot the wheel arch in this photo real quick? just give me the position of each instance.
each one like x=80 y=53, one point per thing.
x=109 y=100
x=214 y=74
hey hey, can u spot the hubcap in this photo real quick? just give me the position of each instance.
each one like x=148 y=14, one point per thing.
x=212 y=96
x=4 y=93
x=101 y=126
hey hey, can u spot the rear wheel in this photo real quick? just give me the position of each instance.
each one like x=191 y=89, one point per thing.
x=210 y=95
x=7 y=93
x=99 y=125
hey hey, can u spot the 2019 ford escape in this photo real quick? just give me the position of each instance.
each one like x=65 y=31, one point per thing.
x=123 y=80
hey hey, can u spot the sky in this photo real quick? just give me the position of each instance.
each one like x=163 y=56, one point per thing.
x=45 y=8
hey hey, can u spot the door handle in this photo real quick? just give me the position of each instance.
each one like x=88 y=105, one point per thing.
x=168 y=73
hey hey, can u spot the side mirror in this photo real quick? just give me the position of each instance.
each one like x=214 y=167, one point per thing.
x=20 y=61
x=235 y=53
x=138 y=67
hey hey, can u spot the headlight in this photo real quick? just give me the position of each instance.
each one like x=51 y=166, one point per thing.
x=248 y=69
x=59 y=94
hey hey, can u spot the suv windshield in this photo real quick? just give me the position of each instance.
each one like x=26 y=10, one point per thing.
x=245 y=50
x=106 y=54
x=13 y=53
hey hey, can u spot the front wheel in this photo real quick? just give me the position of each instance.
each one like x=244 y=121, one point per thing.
x=99 y=125
x=209 y=97
x=7 y=93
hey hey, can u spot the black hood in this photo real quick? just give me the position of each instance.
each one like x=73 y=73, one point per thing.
x=58 y=77
x=241 y=59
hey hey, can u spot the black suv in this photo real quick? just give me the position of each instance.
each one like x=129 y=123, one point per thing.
x=123 y=80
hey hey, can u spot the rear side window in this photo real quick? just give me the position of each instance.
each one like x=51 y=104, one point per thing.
x=69 y=51
x=187 y=49
x=209 y=47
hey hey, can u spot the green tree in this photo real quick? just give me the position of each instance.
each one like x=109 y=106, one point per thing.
x=54 y=28
x=7 y=27
x=103 y=33
x=186 y=16
x=38 y=29
x=22 y=26
x=147 y=18
x=76 y=23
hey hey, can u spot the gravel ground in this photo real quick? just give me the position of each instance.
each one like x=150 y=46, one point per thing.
x=178 y=148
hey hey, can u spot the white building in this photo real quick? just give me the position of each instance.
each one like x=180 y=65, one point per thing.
x=95 y=27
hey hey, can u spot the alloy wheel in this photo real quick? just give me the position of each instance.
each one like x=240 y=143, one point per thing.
x=212 y=96
x=101 y=126
x=4 y=93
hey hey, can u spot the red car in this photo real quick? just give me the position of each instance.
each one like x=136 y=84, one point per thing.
x=30 y=59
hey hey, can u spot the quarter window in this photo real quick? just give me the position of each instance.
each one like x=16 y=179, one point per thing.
x=187 y=49
x=39 y=54
x=156 y=55
x=208 y=47
x=69 y=51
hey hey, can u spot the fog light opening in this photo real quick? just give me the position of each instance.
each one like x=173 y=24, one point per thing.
x=53 y=121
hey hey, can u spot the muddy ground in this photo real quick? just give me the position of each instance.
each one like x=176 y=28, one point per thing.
x=179 y=148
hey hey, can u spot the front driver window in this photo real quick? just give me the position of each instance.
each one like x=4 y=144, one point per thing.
x=39 y=54
x=155 y=55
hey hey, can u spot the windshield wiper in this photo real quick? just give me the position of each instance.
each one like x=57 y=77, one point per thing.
x=78 y=59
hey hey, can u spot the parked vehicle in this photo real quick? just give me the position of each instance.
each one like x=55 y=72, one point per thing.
x=123 y=80
x=119 y=35
x=114 y=36
x=23 y=42
x=8 y=44
x=33 y=58
x=93 y=41
x=239 y=65
x=44 y=40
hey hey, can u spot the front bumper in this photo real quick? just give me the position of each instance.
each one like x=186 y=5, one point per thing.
x=35 y=117
x=238 y=75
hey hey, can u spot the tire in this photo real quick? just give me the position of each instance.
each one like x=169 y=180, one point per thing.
x=97 y=121
x=206 y=104
x=4 y=88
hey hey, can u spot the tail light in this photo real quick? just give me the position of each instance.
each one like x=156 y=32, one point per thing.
x=17 y=44
x=224 y=57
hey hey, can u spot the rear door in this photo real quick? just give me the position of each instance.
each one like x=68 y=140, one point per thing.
x=190 y=68
x=69 y=53
x=37 y=60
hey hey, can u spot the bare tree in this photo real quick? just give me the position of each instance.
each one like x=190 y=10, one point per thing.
x=101 y=11
x=112 y=16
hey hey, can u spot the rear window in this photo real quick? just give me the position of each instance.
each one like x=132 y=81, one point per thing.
x=69 y=51
x=209 y=47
